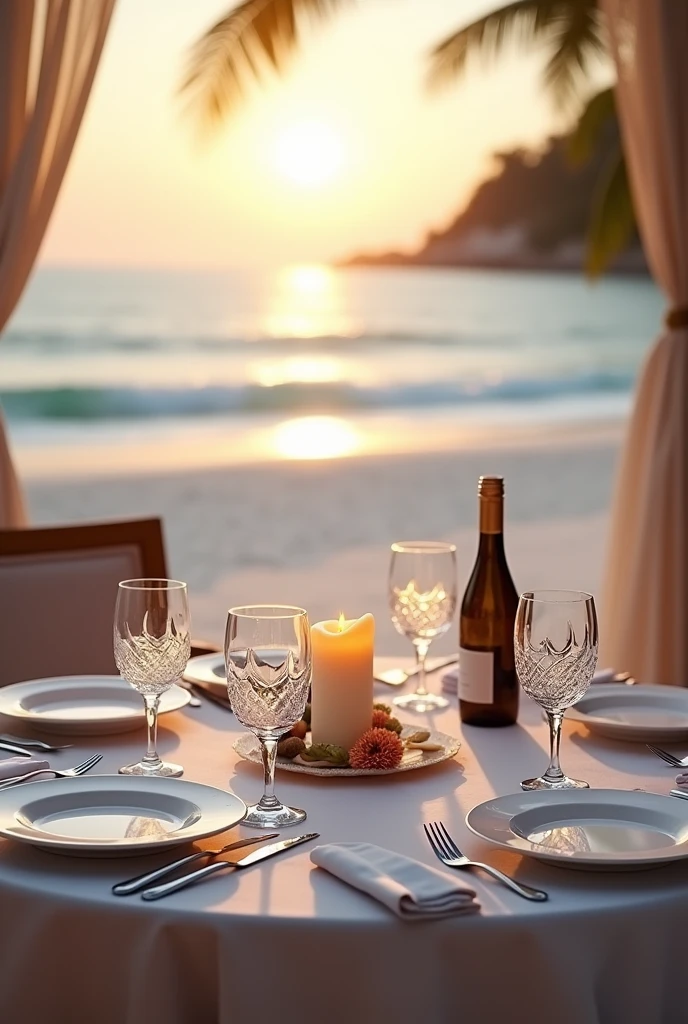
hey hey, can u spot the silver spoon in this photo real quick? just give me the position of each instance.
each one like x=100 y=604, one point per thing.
x=194 y=702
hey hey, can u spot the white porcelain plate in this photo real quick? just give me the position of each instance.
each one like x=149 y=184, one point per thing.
x=639 y=714
x=209 y=670
x=115 y=815
x=593 y=829
x=82 y=705
x=247 y=746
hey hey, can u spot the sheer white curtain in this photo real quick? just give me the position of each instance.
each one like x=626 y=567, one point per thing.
x=646 y=598
x=49 y=52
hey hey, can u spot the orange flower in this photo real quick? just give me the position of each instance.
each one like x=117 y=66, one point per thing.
x=377 y=749
x=380 y=719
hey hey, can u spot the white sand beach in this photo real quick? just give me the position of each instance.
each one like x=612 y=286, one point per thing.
x=317 y=533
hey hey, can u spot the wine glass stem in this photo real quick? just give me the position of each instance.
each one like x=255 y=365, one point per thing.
x=268 y=750
x=152 y=702
x=422 y=647
x=554 y=772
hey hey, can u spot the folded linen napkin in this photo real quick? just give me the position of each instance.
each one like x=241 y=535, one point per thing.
x=412 y=890
x=450 y=680
x=12 y=766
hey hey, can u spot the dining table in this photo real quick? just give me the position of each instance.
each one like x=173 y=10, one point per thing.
x=288 y=942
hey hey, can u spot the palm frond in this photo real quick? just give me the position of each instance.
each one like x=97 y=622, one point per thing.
x=522 y=21
x=571 y=30
x=577 y=39
x=612 y=221
x=253 y=37
x=599 y=112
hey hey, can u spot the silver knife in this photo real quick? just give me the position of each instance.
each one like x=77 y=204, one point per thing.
x=14 y=749
x=158 y=891
x=680 y=793
x=34 y=744
x=399 y=676
x=142 y=881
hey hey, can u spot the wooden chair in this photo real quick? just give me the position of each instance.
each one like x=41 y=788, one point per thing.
x=58 y=588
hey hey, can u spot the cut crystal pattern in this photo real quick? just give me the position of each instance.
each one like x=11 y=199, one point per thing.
x=268 y=689
x=556 y=677
x=152 y=663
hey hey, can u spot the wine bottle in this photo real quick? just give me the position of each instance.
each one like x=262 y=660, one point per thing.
x=488 y=687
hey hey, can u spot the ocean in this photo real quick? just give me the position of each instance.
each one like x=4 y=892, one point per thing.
x=101 y=366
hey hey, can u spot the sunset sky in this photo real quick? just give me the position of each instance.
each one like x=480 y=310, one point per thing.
x=347 y=152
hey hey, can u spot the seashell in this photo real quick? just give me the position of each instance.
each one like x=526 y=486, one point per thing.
x=290 y=747
x=418 y=737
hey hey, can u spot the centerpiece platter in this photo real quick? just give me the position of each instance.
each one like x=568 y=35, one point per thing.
x=412 y=758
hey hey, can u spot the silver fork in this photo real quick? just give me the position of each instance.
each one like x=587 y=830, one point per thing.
x=446 y=850
x=68 y=773
x=675 y=762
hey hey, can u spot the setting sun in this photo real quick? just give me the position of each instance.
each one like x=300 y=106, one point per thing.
x=309 y=153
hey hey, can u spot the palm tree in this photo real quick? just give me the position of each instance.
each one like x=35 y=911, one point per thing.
x=258 y=36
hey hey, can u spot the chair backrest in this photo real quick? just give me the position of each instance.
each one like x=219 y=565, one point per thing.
x=58 y=588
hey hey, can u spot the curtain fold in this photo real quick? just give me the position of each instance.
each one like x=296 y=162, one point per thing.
x=645 y=604
x=49 y=52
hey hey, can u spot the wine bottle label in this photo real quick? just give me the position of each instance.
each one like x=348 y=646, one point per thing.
x=476 y=676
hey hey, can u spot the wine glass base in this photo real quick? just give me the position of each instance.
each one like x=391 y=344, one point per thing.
x=273 y=818
x=544 y=783
x=163 y=771
x=421 y=702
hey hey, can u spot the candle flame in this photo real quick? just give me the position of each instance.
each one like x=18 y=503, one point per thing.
x=342 y=622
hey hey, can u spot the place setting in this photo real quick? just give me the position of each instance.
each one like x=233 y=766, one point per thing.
x=141 y=809
x=100 y=705
x=557 y=819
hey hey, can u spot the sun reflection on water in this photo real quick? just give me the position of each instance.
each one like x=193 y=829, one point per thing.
x=298 y=369
x=307 y=302
x=316 y=437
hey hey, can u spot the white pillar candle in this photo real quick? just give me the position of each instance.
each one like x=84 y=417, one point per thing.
x=342 y=685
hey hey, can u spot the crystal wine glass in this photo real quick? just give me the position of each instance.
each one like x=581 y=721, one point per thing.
x=152 y=646
x=422 y=598
x=555 y=644
x=268 y=659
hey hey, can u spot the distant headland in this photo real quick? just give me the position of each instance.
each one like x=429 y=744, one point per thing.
x=531 y=215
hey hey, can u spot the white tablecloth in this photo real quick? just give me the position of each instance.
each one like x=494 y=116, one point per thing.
x=287 y=942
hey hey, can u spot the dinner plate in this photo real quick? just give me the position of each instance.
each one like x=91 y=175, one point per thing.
x=639 y=714
x=115 y=815
x=247 y=746
x=82 y=705
x=209 y=670
x=593 y=829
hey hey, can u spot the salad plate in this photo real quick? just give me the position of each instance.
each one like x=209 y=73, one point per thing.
x=115 y=815
x=590 y=829
x=638 y=714
x=208 y=670
x=82 y=705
